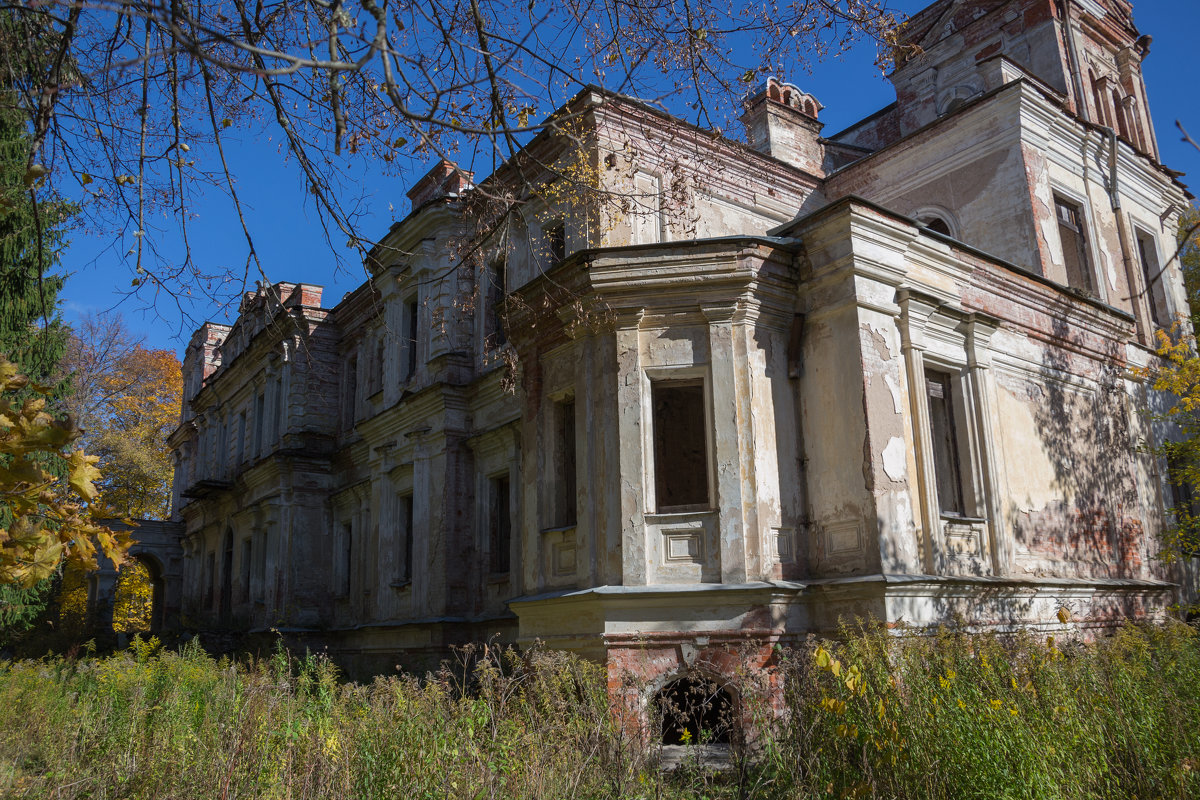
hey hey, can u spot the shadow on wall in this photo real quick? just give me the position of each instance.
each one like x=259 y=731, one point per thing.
x=1094 y=529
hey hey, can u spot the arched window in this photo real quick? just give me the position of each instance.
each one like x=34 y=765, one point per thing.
x=695 y=710
x=936 y=224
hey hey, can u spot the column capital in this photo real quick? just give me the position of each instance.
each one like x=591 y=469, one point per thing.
x=719 y=312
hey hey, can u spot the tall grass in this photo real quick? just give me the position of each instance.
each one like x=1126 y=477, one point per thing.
x=870 y=715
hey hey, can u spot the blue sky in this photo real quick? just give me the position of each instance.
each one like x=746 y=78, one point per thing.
x=292 y=246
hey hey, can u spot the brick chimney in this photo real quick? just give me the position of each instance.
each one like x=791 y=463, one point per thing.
x=781 y=121
x=444 y=180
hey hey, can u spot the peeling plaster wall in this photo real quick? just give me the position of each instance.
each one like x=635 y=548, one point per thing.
x=968 y=171
x=814 y=350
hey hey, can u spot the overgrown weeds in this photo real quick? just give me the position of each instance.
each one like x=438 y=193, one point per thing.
x=870 y=715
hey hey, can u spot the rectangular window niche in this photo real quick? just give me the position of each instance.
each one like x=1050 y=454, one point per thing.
x=680 y=446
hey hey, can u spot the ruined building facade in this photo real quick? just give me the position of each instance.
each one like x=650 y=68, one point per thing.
x=731 y=392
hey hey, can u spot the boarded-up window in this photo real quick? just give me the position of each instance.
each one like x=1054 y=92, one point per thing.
x=500 y=525
x=647 y=208
x=1074 y=244
x=565 y=500
x=943 y=430
x=1156 y=295
x=680 y=446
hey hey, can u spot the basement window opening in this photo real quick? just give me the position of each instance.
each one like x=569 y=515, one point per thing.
x=694 y=710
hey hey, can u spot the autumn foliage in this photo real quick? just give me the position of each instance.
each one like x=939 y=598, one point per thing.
x=1178 y=376
x=127 y=399
x=46 y=518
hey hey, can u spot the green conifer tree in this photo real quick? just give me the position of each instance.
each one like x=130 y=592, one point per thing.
x=32 y=334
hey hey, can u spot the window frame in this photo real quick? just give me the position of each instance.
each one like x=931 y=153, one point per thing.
x=499 y=523
x=554 y=234
x=565 y=458
x=1084 y=247
x=412 y=336
x=678 y=378
x=496 y=274
x=1157 y=299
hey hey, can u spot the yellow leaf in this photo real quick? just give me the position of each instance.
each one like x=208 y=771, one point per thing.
x=81 y=474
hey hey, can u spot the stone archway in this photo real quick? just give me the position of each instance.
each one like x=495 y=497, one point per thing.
x=158 y=554
x=138 y=596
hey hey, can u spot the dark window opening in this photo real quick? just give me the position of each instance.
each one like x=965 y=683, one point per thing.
x=377 y=383
x=210 y=580
x=680 y=446
x=500 y=528
x=247 y=553
x=1098 y=99
x=262 y=565
x=226 y=609
x=497 y=275
x=277 y=423
x=241 y=434
x=556 y=242
x=406 y=515
x=347 y=556
x=937 y=224
x=1122 y=121
x=260 y=401
x=410 y=359
x=566 y=498
x=1156 y=294
x=351 y=390
x=695 y=710
x=942 y=429
x=1074 y=245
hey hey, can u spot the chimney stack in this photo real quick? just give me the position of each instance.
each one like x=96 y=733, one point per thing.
x=444 y=180
x=781 y=121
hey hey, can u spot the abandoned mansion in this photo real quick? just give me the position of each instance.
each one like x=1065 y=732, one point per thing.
x=689 y=392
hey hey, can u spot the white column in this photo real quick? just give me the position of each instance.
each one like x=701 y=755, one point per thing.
x=631 y=399
x=727 y=431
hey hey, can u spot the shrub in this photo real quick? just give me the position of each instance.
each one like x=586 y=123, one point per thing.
x=950 y=715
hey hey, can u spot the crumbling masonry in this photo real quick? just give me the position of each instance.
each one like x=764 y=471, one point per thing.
x=891 y=372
